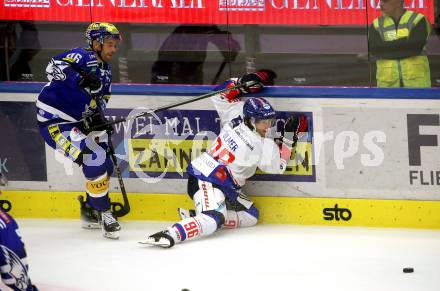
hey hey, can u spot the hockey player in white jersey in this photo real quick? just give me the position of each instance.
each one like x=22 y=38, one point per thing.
x=217 y=176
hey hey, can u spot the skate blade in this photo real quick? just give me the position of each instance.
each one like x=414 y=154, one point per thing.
x=90 y=225
x=162 y=242
x=111 y=235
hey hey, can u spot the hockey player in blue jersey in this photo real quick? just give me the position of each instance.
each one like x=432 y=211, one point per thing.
x=69 y=105
x=217 y=175
x=13 y=263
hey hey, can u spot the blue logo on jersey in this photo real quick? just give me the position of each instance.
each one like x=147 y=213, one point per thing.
x=55 y=69
x=14 y=272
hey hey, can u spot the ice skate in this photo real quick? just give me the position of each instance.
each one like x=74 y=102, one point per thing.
x=89 y=216
x=110 y=226
x=161 y=239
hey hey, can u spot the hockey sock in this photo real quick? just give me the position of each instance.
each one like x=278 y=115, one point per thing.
x=193 y=227
x=97 y=192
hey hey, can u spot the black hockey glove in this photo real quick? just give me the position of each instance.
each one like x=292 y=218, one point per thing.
x=96 y=122
x=89 y=80
x=259 y=80
x=293 y=125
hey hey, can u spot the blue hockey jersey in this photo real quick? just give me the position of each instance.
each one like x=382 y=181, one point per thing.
x=62 y=99
x=13 y=263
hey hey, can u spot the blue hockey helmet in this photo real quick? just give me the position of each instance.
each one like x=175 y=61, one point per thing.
x=100 y=31
x=257 y=109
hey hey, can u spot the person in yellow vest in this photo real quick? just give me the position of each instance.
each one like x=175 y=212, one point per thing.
x=397 y=41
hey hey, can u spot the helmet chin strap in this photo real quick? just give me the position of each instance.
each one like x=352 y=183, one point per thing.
x=98 y=52
x=251 y=124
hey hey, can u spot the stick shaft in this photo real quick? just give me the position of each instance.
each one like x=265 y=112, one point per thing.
x=126 y=206
x=172 y=105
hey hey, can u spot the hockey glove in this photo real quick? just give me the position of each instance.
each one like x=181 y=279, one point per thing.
x=292 y=127
x=231 y=95
x=258 y=80
x=89 y=80
x=96 y=121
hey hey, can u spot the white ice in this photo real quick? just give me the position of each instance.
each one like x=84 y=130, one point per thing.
x=62 y=256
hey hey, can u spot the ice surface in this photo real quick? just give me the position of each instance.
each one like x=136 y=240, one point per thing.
x=62 y=256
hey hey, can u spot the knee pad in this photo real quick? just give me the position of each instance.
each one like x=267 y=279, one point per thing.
x=209 y=198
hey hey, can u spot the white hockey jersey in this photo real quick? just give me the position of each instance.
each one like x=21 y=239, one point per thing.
x=238 y=148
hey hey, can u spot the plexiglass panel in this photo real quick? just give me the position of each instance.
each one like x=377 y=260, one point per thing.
x=306 y=42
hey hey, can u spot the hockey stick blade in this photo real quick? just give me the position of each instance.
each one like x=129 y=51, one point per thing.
x=5 y=205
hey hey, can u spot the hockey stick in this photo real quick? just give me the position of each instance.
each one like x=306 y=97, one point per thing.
x=165 y=107
x=118 y=209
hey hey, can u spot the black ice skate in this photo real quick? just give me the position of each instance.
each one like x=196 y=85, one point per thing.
x=161 y=239
x=89 y=216
x=110 y=226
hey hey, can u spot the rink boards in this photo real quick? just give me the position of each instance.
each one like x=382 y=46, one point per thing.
x=274 y=210
x=371 y=157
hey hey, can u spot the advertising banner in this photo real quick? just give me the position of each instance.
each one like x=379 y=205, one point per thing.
x=22 y=150
x=163 y=145
x=279 y=12
x=362 y=143
x=382 y=150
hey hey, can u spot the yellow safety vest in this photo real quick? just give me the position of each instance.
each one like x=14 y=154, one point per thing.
x=411 y=72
